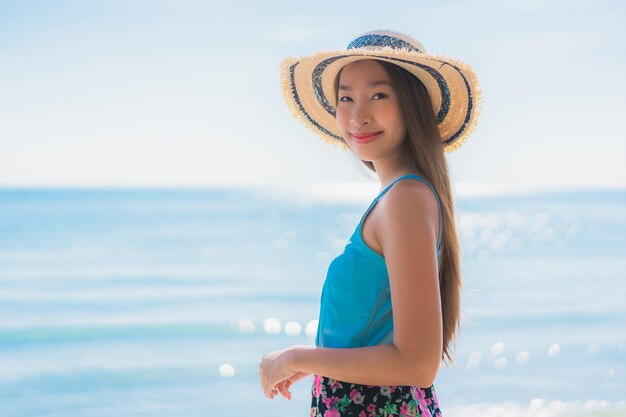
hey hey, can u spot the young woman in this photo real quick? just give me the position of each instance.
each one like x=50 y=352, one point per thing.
x=390 y=305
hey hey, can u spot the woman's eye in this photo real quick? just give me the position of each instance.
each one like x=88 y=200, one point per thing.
x=383 y=95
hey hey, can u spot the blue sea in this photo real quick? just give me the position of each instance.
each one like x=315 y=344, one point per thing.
x=161 y=302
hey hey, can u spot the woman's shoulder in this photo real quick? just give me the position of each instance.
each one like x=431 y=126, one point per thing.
x=408 y=214
x=407 y=205
x=408 y=195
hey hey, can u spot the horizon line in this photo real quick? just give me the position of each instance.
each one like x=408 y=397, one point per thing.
x=344 y=191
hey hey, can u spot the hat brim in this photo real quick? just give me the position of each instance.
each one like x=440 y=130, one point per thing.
x=307 y=85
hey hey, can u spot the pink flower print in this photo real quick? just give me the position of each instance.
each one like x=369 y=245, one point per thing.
x=356 y=396
x=423 y=401
x=330 y=401
x=434 y=396
x=332 y=413
x=362 y=414
x=334 y=384
x=421 y=395
x=409 y=409
x=371 y=408
x=318 y=385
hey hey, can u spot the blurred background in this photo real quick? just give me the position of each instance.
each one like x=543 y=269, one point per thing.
x=164 y=221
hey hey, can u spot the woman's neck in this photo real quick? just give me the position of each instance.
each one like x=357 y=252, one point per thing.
x=388 y=174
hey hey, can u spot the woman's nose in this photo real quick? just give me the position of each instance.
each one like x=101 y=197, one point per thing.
x=360 y=114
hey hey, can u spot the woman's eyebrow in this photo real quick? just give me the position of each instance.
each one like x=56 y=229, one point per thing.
x=372 y=84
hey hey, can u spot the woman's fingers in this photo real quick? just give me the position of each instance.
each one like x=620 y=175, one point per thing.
x=284 y=385
x=283 y=388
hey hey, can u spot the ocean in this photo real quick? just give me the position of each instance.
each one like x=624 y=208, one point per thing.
x=161 y=302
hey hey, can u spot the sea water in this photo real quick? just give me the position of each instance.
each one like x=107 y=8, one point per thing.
x=161 y=302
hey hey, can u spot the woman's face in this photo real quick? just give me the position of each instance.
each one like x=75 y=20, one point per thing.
x=368 y=111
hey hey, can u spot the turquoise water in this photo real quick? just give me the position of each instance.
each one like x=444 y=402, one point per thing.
x=140 y=302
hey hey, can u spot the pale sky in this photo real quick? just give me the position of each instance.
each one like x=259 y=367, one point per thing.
x=186 y=93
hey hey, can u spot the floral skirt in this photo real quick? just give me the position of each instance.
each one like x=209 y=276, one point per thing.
x=332 y=398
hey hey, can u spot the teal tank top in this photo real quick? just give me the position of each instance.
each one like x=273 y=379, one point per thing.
x=355 y=307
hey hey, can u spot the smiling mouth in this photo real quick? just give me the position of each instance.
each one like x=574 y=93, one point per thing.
x=365 y=138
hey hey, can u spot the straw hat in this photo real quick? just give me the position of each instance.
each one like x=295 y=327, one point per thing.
x=308 y=84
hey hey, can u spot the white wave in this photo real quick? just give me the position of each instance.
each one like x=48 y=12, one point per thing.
x=539 y=407
x=364 y=191
x=336 y=192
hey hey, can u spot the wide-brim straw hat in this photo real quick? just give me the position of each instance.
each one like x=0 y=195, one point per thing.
x=308 y=84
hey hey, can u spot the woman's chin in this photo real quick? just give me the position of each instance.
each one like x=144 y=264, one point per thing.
x=365 y=157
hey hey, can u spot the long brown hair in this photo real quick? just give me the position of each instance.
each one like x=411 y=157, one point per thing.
x=425 y=149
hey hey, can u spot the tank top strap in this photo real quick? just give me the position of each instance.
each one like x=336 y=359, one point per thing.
x=387 y=188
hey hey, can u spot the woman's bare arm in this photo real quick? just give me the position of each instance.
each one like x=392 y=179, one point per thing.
x=408 y=235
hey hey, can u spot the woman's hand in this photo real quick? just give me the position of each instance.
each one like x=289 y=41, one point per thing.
x=284 y=385
x=274 y=368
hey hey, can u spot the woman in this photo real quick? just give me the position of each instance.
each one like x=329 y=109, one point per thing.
x=390 y=305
